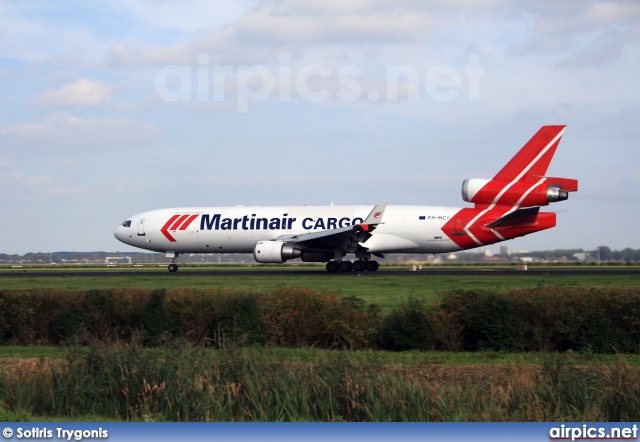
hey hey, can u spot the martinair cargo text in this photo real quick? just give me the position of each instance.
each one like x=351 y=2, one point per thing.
x=505 y=207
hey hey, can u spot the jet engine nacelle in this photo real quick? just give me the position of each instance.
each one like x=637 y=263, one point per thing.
x=275 y=252
x=481 y=191
x=471 y=186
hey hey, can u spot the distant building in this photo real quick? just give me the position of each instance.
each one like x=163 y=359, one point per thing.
x=583 y=257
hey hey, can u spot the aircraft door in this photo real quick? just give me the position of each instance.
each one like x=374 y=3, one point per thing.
x=458 y=226
x=141 y=228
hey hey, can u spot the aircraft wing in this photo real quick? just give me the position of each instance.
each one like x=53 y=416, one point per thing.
x=343 y=240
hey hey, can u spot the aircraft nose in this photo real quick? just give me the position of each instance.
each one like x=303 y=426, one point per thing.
x=119 y=234
x=123 y=232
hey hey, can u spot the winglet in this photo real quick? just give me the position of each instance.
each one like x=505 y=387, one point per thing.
x=375 y=217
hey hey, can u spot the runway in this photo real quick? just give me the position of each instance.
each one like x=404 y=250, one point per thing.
x=190 y=272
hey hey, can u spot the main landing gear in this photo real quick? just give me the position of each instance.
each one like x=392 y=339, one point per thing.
x=359 y=265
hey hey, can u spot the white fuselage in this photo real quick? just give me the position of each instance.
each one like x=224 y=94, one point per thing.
x=410 y=229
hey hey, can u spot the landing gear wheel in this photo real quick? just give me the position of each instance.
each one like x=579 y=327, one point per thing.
x=345 y=266
x=173 y=267
x=372 y=266
x=332 y=266
x=358 y=266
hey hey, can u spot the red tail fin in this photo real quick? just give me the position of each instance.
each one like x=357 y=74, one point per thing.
x=532 y=161
x=508 y=205
x=522 y=182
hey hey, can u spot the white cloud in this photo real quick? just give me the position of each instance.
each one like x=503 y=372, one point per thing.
x=62 y=76
x=62 y=130
x=278 y=26
x=28 y=34
x=603 y=48
x=300 y=181
x=17 y=186
x=271 y=27
x=18 y=179
x=602 y=13
x=80 y=93
x=579 y=32
x=185 y=16
x=66 y=190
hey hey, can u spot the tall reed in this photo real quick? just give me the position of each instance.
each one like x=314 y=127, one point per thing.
x=183 y=382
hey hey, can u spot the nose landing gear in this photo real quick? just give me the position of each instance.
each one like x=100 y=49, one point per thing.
x=173 y=267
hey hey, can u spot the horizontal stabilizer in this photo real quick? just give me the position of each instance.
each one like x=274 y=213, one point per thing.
x=565 y=184
x=518 y=218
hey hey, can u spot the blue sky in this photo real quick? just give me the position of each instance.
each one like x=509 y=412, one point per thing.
x=112 y=108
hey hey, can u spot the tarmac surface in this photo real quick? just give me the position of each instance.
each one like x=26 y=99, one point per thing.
x=191 y=272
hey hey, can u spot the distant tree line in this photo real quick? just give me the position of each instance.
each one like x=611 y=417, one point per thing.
x=99 y=257
x=601 y=253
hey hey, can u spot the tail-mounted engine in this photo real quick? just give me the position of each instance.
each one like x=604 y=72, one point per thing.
x=523 y=194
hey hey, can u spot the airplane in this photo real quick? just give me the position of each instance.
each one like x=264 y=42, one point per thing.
x=504 y=207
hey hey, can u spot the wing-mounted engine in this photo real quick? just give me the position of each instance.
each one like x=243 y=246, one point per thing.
x=275 y=251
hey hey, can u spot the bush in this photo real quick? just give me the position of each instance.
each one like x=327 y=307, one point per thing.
x=489 y=321
x=408 y=328
x=157 y=323
x=545 y=319
x=301 y=317
x=242 y=320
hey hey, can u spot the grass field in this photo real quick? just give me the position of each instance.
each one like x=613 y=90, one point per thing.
x=482 y=385
x=388 y=291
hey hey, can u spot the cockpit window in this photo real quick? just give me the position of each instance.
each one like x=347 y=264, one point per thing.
x=126 y=224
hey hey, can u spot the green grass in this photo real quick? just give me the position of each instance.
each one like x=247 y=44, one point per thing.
x=24 y=352
x=406 y=358
x=388 y=291
x=410 y=358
